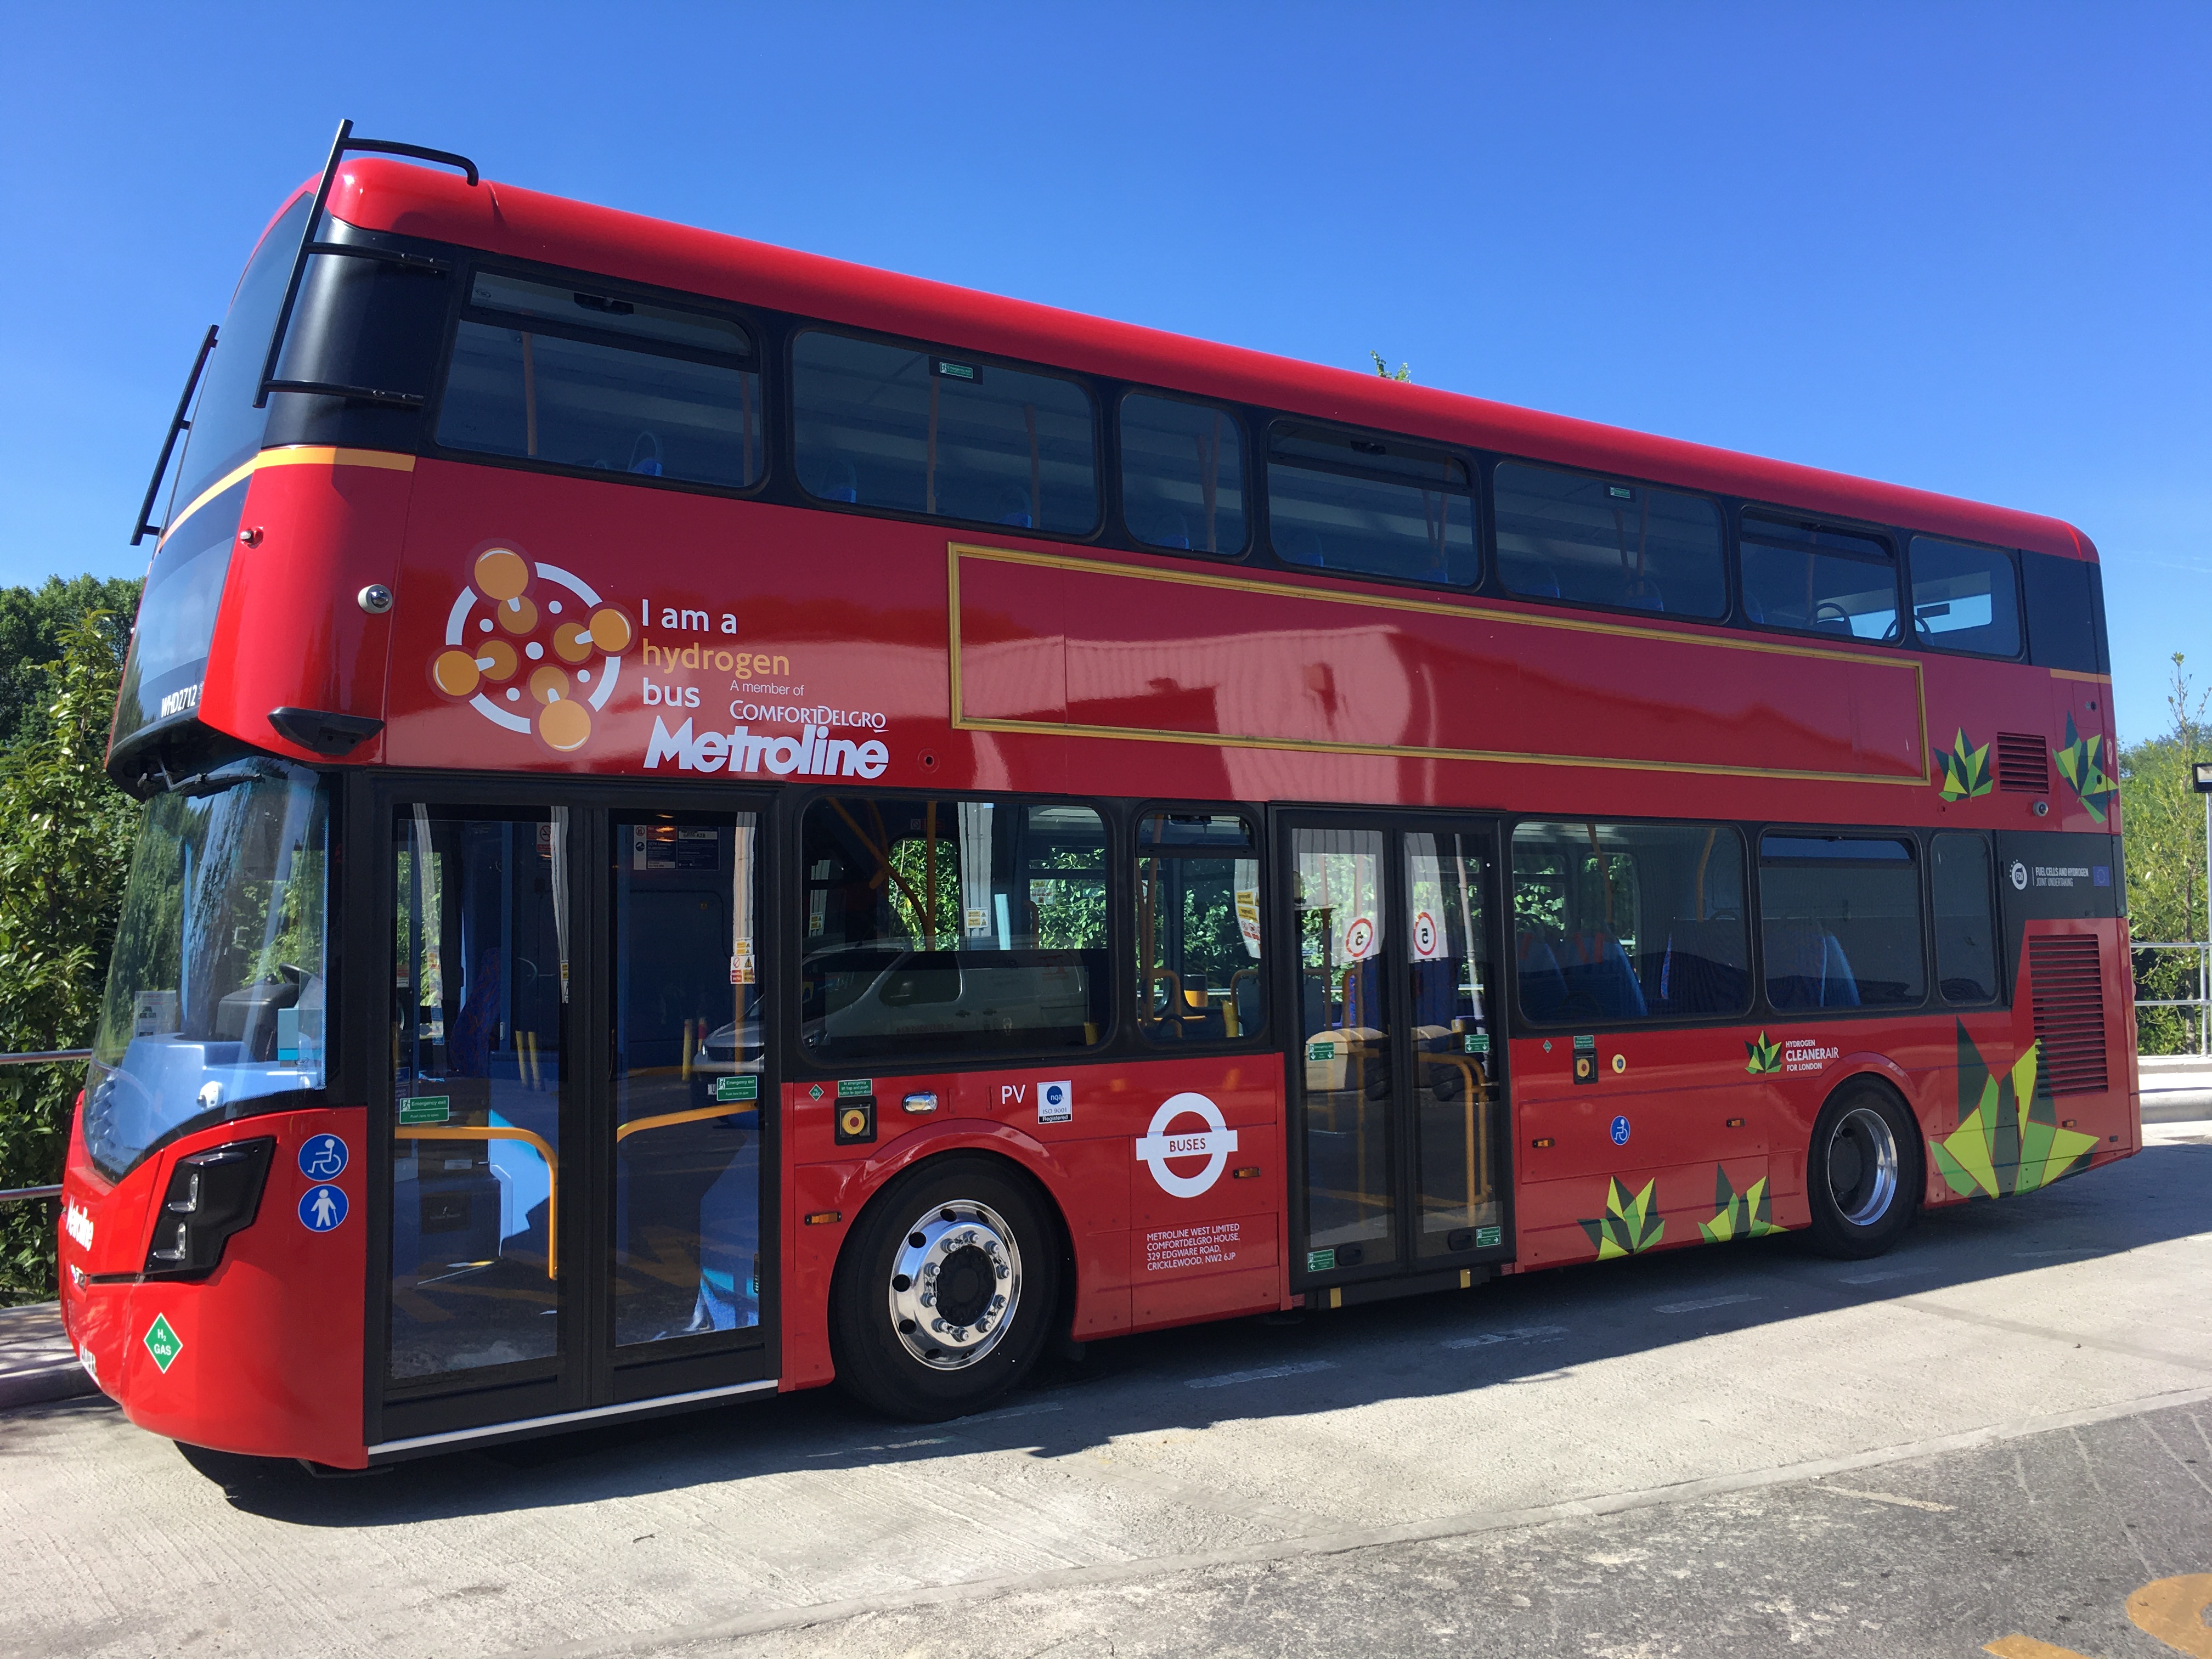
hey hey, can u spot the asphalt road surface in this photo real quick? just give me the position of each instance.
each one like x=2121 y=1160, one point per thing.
x=1999 y=1437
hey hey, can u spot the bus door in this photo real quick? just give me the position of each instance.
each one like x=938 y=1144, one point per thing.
x=570 y=1182
x=1398 y=1100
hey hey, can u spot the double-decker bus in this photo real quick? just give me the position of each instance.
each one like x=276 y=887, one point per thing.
x=718 y=821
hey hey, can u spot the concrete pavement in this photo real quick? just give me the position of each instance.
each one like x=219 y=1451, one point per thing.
x=1387 y=1479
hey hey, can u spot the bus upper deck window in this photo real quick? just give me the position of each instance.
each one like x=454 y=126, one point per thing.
x=588 y=380
x=906 y=428
x=1965 y=599
x=1820 y=581
x=1370 y=506
x=1598 y=541
x=1182 y=475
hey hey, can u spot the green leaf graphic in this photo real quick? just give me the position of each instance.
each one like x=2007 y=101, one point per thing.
x=1626 y=1226
x=2078 y=763
x=1764 y=1056
x=1748 y=1214
x=2009 y=1140
x=1964 y=769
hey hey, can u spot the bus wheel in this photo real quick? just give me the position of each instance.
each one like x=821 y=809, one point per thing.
x=945 y=1291
x=1863 y=1176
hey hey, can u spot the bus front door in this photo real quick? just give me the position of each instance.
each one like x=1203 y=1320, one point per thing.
x=1397 y=1091
x=570 y=1186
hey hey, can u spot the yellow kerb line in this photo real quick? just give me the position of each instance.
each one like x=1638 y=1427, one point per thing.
x=495 y=1132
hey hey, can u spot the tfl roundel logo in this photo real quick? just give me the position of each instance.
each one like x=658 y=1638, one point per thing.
x=1165 y=1144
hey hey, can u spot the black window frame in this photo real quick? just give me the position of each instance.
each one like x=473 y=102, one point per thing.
x=1746 y=831
x=1116 y=1037
x=461 y=310
x=1105 y=466
x=1493 y=565
x=1914 y=836
x=1257 y=821
x=1474 y=490
x=2011 y=556
x=1888 y=535
x=2001 y=995
x=1119 y=514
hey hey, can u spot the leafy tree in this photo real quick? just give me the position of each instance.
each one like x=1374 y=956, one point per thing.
x=33 y=621
x=2165 y=841
x=65 y=835
x=1405 y=370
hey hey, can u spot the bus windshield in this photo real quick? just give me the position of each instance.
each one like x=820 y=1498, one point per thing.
x=215 y=996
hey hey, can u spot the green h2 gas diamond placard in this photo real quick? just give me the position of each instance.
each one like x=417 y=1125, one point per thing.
x=163 y=1343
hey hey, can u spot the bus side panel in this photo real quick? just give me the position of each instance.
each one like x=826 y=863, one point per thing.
x=265 y=1354
x=1204 y=1243
x=292 y=633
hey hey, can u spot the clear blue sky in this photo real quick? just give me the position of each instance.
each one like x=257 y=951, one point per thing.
x=1964 y=248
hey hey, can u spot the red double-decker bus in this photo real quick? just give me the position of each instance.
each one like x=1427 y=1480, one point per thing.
x=718 y=821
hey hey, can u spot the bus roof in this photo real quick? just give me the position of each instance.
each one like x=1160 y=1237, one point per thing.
x=524 y=224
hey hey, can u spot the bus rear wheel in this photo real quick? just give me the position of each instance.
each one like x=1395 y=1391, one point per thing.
x=945 y=1290
x=1863 y=1175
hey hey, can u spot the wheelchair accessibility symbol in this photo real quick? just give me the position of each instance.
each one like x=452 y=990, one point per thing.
x=1214 y=1143
x=323 y=1158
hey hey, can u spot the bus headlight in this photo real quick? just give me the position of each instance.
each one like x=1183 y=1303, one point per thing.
x=212 y=1194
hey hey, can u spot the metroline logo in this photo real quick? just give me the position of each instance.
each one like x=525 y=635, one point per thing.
x=813 y=754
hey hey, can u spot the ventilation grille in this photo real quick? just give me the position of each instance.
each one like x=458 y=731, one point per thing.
x=2069 y=1013
x=2023 y=764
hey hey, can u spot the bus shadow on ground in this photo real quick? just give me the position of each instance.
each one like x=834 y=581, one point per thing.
x=1511 y=1331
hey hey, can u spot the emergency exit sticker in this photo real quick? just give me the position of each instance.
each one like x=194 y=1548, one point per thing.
x=729 y=1090
x=427 y=1108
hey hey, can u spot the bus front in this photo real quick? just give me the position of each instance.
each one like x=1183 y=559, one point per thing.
x=211 y=1106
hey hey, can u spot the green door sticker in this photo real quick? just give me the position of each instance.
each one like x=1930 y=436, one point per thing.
x=731 y=1089
x=427 y=1108
x=855 y=1088
x=1320 y=1261
x=1487 y=1238
x=163 y=1343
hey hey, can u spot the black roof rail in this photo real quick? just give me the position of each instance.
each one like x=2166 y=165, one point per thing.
x=308 y=245
x=178 y=423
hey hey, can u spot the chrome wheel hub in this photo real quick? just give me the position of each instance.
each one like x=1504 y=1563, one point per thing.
x=955 y=1284
x=1862 y=1166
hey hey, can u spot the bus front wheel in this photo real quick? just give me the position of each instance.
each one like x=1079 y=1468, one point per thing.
x=1863 y=1176
x=945 y=1291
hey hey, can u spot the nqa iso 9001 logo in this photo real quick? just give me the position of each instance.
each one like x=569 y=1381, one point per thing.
x=544 y=655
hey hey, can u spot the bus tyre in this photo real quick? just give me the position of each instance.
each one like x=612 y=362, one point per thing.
x=946 y=1291
x=1863 y=1174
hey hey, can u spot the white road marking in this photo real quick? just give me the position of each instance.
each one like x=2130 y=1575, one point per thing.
x=1888 y=1273
x=1888 y=1497
x=894 y=1445
x=1703 y=1303
x=1229 y=1379
x=1523 y=1333
x=1011 y=1410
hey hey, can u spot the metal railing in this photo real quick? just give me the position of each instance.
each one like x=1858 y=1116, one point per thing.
x=2202 y=1001
x=38 y=1057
